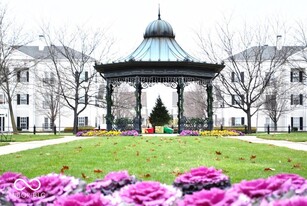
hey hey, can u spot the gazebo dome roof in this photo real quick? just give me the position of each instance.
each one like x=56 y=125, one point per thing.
x=159 y=28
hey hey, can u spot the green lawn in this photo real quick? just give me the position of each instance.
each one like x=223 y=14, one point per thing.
x=31 y=137
x=294 y=136
x=155 y=158
x=3 y=143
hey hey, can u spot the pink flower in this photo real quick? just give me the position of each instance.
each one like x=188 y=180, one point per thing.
x=149 y=193
x=111 y=182
x=83 y=200
x=202 y=175
x=294 y=201
x=291 y=181
x=201 y=178
x=216 y=197
x=260 y=188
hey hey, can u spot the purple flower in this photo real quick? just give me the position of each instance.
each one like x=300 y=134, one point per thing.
x=216 y=197
x=291 y=181
x=80 y=133
x=81 y=199
x=7 y=180
x=188 y=133
x=260 y=188
x=294 y=201
x=44 y=189
x=148 y=193
x=130 y=133
x=111 y=182
x=201 y=178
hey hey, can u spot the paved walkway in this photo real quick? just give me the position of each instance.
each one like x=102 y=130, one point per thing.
x=21 y=146
x=281 y=143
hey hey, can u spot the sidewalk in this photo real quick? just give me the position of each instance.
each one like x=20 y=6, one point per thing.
x=21 y=146
x=281 y=143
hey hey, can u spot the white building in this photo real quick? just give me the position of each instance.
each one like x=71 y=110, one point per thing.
x=34 y=73
x=290 y=97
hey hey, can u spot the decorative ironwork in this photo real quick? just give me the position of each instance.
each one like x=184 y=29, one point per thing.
x=137 y=123
x=210 y=106
x=148 y=81
x=109 y=116
x=181 y=118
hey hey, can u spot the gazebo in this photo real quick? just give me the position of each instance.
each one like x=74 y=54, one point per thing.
x=158 y=59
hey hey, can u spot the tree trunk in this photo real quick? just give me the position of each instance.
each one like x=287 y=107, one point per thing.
x=75 y=128
x=249 y=121
x=275 y=126
x=13 y=122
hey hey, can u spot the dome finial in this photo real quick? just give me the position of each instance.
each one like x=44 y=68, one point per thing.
x=159 y=15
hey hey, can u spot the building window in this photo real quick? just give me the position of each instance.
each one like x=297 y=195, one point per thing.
x=23 y=122
x=84 y=76
x=296 y=75
x=270 y=101
x=296 y=99
x=2 y=99
x=297 y=122
x=82 y=121
x=269 y=79
x=237 y=99
x=49 y=78
x=237 y=77
x=237 y=121
x=23 y=75
x=22 y=99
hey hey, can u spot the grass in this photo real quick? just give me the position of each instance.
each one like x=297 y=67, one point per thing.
x=293 y=137
x=31 y=137
x=3 y=143
x=155 y=158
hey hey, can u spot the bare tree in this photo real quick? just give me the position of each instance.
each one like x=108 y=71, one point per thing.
x=123 y=102
x=246 y=74
x=11 y=38
x=195 y=101
x=276 y=98
x=73 y=64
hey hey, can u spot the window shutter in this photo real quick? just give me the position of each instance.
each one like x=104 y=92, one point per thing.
x=291 y=99
x=291 y=76
x=18 y=121
x=301 y=76
x=27 y=122
x=301 y=123
x=18 y=76
x=86 y=76
x=232 y=76
x=232 y=99
x=18 y=99
x=242 y=77
x=242 y=99
x=27 y=99
x=301 y=99
x=233 y=121
x=27 y=76
x=242 y=121
x=86 y=121
x=291 y=122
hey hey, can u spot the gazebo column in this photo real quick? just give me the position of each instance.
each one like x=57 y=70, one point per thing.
x=210 y=106
x=181 y=120
x=137 y=123
x=109 y=117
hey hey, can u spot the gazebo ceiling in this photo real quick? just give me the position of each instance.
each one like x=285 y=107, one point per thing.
x=159 y=55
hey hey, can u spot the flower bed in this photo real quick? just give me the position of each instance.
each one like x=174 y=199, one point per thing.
x=219 y=133
x=207 y=186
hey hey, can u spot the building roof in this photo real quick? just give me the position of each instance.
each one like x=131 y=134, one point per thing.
x=265 y=53
x=159 y=44
x=37 y=53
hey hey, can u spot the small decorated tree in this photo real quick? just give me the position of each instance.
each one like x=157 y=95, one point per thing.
x=159 y=115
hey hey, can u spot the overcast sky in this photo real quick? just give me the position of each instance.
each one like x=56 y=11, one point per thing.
x=127 y=19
